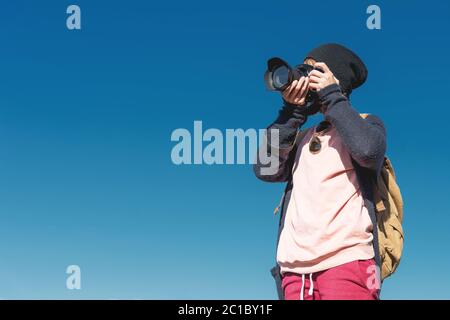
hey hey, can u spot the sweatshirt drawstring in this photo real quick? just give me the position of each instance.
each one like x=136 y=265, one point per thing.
x=311 y=286
x=303 y=287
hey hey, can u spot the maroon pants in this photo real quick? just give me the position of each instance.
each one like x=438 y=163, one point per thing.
x=356 y=280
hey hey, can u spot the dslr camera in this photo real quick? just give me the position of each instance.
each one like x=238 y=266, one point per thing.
x=279 y=75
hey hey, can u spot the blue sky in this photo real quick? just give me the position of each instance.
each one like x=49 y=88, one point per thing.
x=86 y=116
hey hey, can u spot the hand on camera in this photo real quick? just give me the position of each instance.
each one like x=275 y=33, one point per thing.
x=320 y=80
x=297 y=91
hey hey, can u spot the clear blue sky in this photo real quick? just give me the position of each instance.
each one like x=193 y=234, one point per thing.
x=85 y=121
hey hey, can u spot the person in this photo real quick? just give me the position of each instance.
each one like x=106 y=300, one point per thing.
x=327 y=241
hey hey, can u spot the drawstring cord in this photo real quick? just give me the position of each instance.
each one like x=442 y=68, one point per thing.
x=303 y=287
x=311 y=286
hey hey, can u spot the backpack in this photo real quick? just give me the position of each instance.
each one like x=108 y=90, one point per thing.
x=388 y=204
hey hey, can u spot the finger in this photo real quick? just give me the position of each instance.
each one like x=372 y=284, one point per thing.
x=288 y=90
x=317 y=73
x=301 y=84
x=323 y=66
x=314 y=86
x=300 y=99
x=304 y=88
x=285 y=92
x=296 y=90
x=337 y=80
x=292 y=92
x=314 y=79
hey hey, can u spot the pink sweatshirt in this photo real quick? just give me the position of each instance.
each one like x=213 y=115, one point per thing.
x=326 y=222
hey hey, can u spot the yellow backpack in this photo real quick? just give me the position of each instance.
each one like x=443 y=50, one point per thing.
x=389 y=210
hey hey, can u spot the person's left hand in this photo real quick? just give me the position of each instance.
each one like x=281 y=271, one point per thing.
x=320 y=80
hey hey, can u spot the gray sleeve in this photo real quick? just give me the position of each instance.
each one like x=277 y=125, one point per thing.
x=287 y=125
x=364 y=138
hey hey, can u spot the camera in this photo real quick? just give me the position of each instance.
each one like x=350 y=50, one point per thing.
x=280 y=75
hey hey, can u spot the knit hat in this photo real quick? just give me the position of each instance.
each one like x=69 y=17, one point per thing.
x=346 y=66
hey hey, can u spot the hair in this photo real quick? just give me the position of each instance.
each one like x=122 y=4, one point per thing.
x=309 y=61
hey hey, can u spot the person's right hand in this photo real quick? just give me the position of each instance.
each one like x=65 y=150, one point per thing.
x=297 y=91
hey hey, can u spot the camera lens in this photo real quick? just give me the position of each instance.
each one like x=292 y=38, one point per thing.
x=280 y=77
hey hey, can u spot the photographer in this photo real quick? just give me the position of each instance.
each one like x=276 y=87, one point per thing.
x=327 y=240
